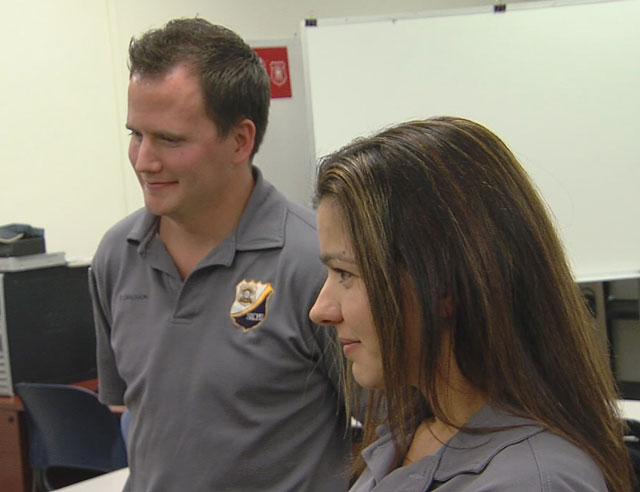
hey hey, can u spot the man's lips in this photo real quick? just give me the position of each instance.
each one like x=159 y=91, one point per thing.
x=157 y=185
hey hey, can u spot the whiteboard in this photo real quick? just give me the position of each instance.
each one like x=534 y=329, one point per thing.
x=558 y=81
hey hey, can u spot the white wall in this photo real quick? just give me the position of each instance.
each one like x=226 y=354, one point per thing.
x=63 y=163
x=59 y=151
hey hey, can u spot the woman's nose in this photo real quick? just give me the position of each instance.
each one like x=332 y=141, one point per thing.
x=326 y=310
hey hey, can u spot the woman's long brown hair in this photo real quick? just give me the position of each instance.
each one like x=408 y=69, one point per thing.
x=444 y=203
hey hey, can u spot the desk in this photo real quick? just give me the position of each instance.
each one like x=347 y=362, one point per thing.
x=15 y=473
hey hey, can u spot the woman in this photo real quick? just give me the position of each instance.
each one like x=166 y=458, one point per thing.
x=453 y=301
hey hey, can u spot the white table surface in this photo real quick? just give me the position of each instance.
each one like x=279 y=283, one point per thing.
x=630 y=409
x=109 y=482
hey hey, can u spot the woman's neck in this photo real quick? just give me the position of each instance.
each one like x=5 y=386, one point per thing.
x=431 y=434
x=458 y=401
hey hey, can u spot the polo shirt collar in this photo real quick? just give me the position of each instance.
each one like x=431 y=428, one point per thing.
x=262 y=225
x=471 y=453
x=263 y=221
x=463 y=453
x=380 y=455
x=143 y=231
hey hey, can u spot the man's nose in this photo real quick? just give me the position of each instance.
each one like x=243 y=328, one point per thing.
x=143 y=156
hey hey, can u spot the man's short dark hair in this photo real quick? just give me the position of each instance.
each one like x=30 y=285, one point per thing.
x=235 y=84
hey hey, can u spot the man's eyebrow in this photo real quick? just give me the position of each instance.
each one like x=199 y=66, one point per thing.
x=169 y=135
x=329 y=257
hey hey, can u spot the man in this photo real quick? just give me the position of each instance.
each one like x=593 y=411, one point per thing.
x=201 y=299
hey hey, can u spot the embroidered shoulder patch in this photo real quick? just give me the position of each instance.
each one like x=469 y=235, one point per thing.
x=249 y=308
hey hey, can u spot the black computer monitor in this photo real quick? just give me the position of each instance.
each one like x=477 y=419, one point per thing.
x=46 y=327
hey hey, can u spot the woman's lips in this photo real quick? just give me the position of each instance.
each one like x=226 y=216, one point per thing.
x=348 y=345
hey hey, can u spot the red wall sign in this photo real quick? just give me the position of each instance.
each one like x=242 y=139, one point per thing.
x=276 y=62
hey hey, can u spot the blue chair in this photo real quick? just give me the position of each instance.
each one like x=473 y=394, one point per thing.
x=72 y=435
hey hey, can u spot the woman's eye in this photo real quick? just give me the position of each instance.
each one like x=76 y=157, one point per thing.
x=344 y=276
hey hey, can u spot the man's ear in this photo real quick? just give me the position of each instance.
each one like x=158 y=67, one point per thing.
x=244 y=137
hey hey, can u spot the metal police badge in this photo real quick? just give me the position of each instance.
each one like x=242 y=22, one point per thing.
x=249 y=309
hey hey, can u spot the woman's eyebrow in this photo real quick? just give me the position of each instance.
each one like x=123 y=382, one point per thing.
x=329 y=257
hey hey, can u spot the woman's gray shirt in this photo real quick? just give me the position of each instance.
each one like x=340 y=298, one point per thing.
x=519 y=456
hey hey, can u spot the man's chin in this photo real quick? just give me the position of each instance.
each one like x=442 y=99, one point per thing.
x=155 y=208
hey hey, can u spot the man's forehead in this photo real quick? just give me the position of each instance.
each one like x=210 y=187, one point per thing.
x=176 y=74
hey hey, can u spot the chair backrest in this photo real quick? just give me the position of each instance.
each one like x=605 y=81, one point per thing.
x=69 y=427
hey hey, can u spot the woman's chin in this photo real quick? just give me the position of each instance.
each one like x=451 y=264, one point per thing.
x=367 y=379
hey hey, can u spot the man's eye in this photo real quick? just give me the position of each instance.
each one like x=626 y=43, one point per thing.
x=171 y=140
x=344 y=276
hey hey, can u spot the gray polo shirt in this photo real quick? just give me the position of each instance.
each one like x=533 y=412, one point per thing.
x=523 y=458
x=230 y=385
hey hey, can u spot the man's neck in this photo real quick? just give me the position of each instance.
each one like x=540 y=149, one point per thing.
x=189 y=239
